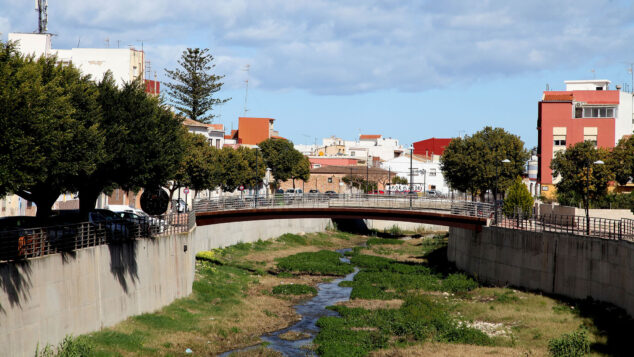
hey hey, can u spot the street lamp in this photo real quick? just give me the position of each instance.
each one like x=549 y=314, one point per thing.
x=257 y=183
x=598 y=162
x=411 y=174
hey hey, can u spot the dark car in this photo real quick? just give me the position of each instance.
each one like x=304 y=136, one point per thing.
x=115 y=228
x=331 y=194
x=140 y=224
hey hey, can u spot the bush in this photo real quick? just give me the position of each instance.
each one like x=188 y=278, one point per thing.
x=207 y=255
x=574 y=344
x=69 y=347
x=293 y=239
x=294 y=289
x=458 y=283
x=395 y=231
x=518 y=198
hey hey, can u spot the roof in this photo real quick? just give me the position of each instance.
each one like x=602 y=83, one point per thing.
x=346 y=170
x=557 y=97
x=369 y=137
x=194 y=123
x=596 y=97
x=277 y=137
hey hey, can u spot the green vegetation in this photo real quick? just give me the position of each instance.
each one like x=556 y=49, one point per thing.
x=518 y=200
x=574 y=344
x=284 y=160
x=324 y=262
x=294 y=289
x=69 y=347
x=375 y=241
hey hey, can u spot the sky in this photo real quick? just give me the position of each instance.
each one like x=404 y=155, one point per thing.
x=404 y=69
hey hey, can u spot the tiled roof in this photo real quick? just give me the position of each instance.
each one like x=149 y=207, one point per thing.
x=191 y=122
x=345 y=170
x=369 y=137
x=558 y=97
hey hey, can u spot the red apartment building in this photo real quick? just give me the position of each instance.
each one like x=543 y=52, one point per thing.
x=586 y=111
x=252 y=131
x=430 y=147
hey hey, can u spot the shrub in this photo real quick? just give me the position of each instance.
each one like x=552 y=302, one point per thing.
x=395 y=231
x=292 y=239
x=324 y=262
x=294 y=289
x=69 y=347
x=207 y=255
x=518 y=198
x=574 y=344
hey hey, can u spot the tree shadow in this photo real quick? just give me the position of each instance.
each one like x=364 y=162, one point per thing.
x=15 y=280
x=123 y=263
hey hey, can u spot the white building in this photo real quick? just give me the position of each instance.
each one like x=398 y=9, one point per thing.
x=214 y=133
x=126 y=64
x=427 y=174
x=370 y=146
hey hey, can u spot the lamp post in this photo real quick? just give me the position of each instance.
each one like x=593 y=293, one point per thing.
x=495 y=189
x=257 y=183
x=389 y=180
x=424 y=172
x=598 y=162
x=367 y=173
x=411 y=175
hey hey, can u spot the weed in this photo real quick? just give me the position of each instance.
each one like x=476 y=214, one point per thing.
x=574 y=344
x=324 y=262
x=209 y=256
x=331 y=226
x=235 y=330
x=394 y=231
x=269 y=313
x=69 y=347
x=506 y=297
x=294 y=289
x=292 y=239
x=374 y=241
x=458 y=283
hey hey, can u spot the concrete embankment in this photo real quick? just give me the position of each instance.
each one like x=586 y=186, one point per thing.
x=556 y=263
x=44 y=299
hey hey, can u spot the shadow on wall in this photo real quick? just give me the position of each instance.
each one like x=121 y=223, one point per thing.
x=123 y=264
x=15 y=280
x=356 y=226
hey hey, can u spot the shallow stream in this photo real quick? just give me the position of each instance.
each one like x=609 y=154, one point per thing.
x=327 y=294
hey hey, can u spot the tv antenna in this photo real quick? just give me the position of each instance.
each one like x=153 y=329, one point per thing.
x=41 y=6
x=246 y=92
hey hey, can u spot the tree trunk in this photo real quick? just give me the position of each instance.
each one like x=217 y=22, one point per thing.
x=44 y=198
x=88 y=197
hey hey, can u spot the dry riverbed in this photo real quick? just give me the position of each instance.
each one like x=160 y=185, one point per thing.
x=247 y=290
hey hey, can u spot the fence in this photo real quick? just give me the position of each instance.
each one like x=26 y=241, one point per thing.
x=617 y=229
x=24 y=243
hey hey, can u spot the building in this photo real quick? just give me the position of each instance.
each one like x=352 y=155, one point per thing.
x=214 y=133
x=588 y=110
x=125 y=64
x=318 y=161
x=330 y=178
x=373 y=148
x=430 y=148
x=252 y=131
x=427 y=175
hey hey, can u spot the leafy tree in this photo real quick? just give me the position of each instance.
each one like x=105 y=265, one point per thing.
x=145 y=143
x=49 y=132
x=193 y=85
x=621 y=161
x=196 y=169
x=231 y=167
x=359 y=182
x=474 y=163
x=579 y=175
x=284 y=160
x=518 y=197
x=398 y=180
x=254 y=174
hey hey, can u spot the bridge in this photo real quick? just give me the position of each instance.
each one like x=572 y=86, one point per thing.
x=462 y=214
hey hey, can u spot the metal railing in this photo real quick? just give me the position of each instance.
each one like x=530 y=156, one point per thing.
x=24 y=243
x=401 y=202
x=605 y=228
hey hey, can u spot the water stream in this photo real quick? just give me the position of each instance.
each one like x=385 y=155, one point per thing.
x=328 y=294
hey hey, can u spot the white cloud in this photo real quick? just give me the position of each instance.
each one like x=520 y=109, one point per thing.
x=333 y=47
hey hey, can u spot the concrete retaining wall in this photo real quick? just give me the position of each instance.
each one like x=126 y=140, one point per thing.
x=407 y=226
x=556 y=263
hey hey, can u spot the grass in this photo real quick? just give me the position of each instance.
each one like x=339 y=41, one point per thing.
x=324 y=262
x=294 y=289
x=375 y=241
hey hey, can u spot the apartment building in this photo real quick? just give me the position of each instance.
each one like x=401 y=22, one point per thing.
x=588 y=110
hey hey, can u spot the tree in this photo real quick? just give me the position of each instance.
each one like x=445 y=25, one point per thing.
x=193 y=86
x=621 y=161
x=231 y=167
x=49 y=132
x=196 y=169
x=579 y=175
x=518 y=197
x=398 y=180
x=145 y=143
x=474 y=163
x=284 y=160
x=254 y=173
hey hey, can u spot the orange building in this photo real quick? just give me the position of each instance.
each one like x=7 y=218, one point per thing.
x=252 y=131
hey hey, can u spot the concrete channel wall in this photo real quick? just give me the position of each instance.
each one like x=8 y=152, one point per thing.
x=562 y=264
x=44 y=299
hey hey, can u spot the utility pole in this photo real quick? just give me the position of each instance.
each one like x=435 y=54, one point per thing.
x=411 y=175
x=41 y=6
x=247 y=68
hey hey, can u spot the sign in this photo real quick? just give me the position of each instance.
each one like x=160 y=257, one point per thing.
x=241 y=188
x=186 y=190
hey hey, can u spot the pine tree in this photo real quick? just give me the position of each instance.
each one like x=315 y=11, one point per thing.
x=518 y=198
x=193 y=85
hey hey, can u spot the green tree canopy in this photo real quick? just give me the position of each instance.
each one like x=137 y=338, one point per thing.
x=398 y=180
x=621 y=161
x=474 y=163
x=254 y=174
x=579 y=175
x=193 y=85
x=284 y=160
x=196 y=169
x=231 y=167
x=49 y=131
x=518 y=198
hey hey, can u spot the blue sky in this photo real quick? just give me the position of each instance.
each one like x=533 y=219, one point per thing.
x=404 y=69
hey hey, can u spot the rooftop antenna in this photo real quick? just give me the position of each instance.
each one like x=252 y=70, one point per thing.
x=593 y=74
x=107 y=42
x=631 y=70
x=547 y=87
x=41 y=6
x=246 y=92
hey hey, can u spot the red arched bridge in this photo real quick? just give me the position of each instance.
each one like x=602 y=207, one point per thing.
x=464 y=214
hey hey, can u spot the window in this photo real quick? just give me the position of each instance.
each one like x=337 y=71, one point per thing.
x=217 y=143
x=578 y=112
x=351 y=153
x=597 y=112
x=329 y=179
x=432 y=172
x=316 y=166
x=559 y=140
x=591 y=138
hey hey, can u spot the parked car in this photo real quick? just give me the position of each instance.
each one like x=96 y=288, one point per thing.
x=331 y=194
x=179 y=205
x=156 y=224
x=116 y=229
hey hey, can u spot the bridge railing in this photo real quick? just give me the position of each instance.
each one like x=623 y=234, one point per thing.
x=27 y=242
x=605 y=228
x=464 y=208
